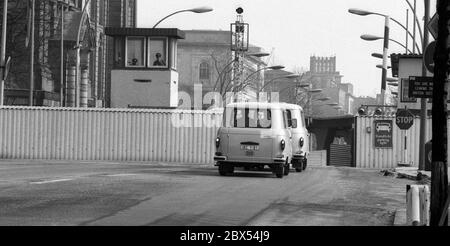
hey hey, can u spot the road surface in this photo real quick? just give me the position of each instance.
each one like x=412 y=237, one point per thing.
x=131 y=194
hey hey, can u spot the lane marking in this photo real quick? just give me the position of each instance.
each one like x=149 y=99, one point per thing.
x=121 y=175
x=51 y=181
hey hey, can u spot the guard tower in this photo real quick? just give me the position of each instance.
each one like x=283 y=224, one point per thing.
x=144 y=70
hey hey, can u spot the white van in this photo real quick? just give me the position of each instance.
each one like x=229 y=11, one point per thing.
x=300 y=136
x=254 y=135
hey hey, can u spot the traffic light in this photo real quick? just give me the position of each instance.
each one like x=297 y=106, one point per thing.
x=378 y=112
x=362 y=110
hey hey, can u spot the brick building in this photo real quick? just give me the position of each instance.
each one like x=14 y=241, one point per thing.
x=51 y=88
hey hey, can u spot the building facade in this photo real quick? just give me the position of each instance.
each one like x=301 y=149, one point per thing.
x=205 y=64
x=55 y=61
x=324 y=75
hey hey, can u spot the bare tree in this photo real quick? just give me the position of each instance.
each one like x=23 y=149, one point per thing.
x=223 y=64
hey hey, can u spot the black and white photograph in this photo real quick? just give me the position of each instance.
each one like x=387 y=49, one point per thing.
x=224 y=120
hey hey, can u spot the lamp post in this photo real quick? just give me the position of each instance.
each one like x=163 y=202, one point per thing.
x=385 y=52
x=361 y=12
x=259 y=82
x=194 y=10
x=3 y=52
x=369 y=37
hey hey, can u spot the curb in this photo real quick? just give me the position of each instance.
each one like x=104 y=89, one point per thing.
x=400 y=217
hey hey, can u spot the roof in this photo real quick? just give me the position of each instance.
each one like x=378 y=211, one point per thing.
x=156 y=32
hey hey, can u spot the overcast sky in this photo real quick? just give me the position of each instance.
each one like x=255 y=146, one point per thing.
x=296 y=29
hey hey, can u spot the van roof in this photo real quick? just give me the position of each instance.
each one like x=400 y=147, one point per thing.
x=263 y=105
x=292 y=106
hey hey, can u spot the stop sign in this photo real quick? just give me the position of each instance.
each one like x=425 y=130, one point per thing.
x=404 y=119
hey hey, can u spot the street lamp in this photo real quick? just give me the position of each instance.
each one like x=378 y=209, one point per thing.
x=369 y=37
x=277 y=67
x=381 y=66
x=365 y=13
x=392 y=80
x=395 y=84
x=194 y=10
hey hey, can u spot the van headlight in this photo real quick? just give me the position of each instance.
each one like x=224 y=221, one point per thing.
x=283 y=144
x=301 y=142
x=217 y=142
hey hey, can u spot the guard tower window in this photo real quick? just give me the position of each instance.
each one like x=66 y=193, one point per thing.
x=158 y=52
x=404 y=97
x=119 y=52
x=204 y=71
x=135 y=52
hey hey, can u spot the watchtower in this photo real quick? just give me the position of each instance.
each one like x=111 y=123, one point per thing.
x=144 y=72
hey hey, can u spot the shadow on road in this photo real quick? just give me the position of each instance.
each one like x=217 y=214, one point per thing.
x=213 y=172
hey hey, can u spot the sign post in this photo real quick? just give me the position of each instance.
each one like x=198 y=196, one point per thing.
x=404 y=120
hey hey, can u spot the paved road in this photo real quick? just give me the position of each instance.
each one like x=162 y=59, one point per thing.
x=84 y=193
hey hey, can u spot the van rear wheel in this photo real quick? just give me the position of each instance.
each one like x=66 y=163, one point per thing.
x=279 y=171
x=224 y=169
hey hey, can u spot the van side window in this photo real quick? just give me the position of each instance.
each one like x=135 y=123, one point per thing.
x=302 y=120
x=286 y=119
x=289 y=118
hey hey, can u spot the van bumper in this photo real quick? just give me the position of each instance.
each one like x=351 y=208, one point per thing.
x=224 y=159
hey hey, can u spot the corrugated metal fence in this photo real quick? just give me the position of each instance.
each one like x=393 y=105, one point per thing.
x=367 y=156
x=108 y=134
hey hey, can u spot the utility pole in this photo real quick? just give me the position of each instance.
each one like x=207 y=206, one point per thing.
x=439 y=178
x=423 y=101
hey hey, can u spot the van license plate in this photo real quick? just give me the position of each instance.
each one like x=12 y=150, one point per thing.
x=250 y=147
x=249 y=153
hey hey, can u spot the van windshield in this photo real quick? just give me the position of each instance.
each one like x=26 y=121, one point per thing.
x=249 y=118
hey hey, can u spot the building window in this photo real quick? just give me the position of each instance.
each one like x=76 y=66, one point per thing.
x=204 y=71
x=158 y=52
x=135 y=52
x=174 y=51
x=405 y=92
x=119 y=52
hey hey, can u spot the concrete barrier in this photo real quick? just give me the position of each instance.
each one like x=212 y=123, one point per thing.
x=418 y=205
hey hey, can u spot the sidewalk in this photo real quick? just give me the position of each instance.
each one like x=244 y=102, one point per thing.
x=412 y=173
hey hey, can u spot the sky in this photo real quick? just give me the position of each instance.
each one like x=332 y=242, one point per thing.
x=294 y=30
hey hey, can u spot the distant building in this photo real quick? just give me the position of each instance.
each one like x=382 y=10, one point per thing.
x=322 y=75
x=205 y=58
x=276 y=81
